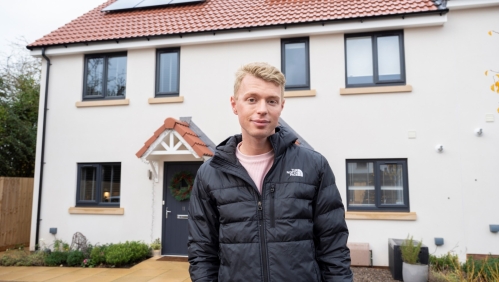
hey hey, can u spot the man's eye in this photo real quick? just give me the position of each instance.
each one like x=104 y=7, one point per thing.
x=251 y=100
x=273 y=102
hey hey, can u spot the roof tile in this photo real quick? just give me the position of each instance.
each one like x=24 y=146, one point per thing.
x=213 y=15
x=183 y=129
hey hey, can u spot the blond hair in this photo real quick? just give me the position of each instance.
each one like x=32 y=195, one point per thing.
x=263 y=71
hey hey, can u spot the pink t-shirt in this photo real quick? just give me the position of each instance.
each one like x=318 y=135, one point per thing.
x=257 y=166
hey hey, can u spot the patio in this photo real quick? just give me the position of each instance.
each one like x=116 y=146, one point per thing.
x=148 y=270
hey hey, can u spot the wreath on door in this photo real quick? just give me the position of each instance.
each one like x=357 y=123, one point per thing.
x=181 y=185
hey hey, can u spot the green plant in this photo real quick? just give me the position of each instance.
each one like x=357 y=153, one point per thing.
x=21 y=257
x=56 y=258
x=410 y=250
x=98 y=255
x=156 y=244
x=75 y=258
x=126 y=253
x=445 y=262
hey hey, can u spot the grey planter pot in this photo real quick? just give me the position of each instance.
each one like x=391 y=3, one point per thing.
x=156 y=253
x=415 y=272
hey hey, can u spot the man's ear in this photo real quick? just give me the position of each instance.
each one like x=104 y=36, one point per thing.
x=282 y=104
x=233 y=104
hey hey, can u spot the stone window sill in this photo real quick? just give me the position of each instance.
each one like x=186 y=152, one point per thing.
x=376 y=90
x=409 y=216
x=166 y=100
x=103 y=103
x=112 y=211
x=299 y=93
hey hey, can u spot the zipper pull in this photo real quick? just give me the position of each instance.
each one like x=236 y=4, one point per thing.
x=260 y=210
x=272 y=190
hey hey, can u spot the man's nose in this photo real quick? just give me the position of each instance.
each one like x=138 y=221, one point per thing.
x=262 y=107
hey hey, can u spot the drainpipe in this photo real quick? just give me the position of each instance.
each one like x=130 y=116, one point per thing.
x=42 y=159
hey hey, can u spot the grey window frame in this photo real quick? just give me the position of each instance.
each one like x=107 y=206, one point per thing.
x=98 y=200
x=376 y=81
x=305 y=40
x=377 y=187
x=158 y=54
x=105 y=56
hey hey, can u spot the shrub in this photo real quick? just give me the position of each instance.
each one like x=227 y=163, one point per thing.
x=410 y=251
x=75 y=258
x=444 y=262
x=126 y=253
x=56 y=258
x=98 y=255
x=22 y=258
x=486 y=269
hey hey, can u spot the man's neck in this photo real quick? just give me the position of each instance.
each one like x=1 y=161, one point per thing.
x=251 y=146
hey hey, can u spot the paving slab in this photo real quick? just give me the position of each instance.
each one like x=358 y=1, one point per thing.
x=148 y=270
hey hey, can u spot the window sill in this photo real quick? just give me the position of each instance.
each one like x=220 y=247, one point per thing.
x=103 y=103
x=113 y=211
x=410 y=216
x=166 y=100
x=376 y=90
x=299 y=93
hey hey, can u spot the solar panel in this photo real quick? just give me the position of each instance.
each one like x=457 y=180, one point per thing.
x=134 y=4
x=184 y=1
x=151 y=3
x=122 y=5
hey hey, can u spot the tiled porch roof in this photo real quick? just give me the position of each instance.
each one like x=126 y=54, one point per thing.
x=183 y=129
x=216 y=15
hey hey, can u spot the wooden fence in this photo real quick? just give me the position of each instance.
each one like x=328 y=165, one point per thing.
x=16 y=197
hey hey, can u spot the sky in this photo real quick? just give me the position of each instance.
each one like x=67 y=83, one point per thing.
x=32 y=19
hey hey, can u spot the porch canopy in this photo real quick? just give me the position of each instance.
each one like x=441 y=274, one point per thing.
x=176 y=138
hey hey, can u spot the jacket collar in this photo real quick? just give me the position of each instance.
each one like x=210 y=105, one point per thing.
x=280 y=141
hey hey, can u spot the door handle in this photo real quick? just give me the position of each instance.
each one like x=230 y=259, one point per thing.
x=167 y=212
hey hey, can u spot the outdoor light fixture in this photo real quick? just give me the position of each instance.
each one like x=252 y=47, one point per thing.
x=478 y=131
x=439 y=241
x=494 y=228
x=439 y=148
x=53 y=230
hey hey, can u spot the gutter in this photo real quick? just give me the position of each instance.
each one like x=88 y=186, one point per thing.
x=471 y=4
x=42 y=159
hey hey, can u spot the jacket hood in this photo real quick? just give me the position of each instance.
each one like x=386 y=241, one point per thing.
x=280 y=140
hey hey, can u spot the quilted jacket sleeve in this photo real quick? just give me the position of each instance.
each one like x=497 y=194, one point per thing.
x=330 y=229
x=203 y=235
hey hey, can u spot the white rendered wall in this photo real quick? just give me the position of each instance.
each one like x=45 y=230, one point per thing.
x=444 y=65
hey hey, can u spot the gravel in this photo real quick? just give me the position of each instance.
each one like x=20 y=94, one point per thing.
x=372 y=274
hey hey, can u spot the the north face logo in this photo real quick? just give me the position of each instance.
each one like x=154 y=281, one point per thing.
x=295 y=172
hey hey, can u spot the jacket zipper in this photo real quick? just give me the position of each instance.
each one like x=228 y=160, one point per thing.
x=272 y=216
x=262 y=241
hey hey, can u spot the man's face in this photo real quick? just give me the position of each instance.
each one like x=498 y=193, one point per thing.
x=258 y=107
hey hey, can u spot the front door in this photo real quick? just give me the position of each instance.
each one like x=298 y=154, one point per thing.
x=174 y=231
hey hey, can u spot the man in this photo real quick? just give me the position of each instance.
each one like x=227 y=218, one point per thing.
x=264 y=208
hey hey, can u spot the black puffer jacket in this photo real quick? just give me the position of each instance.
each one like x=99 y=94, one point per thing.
x=294 y=231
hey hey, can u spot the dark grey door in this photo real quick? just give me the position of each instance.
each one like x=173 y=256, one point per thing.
x=174 y=231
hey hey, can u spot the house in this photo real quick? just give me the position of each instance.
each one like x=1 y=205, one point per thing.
x=135 y=94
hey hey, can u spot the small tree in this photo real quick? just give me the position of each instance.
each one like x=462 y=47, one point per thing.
x=19 y=94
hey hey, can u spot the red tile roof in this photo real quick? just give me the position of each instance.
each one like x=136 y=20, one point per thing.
x=215 y=15
x=183 y=129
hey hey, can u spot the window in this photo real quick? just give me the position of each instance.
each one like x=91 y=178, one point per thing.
x=375 y=59
x=167 y=72
x=295 y=63
x=379 y=185
x=99 y=185
x=105 y=76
